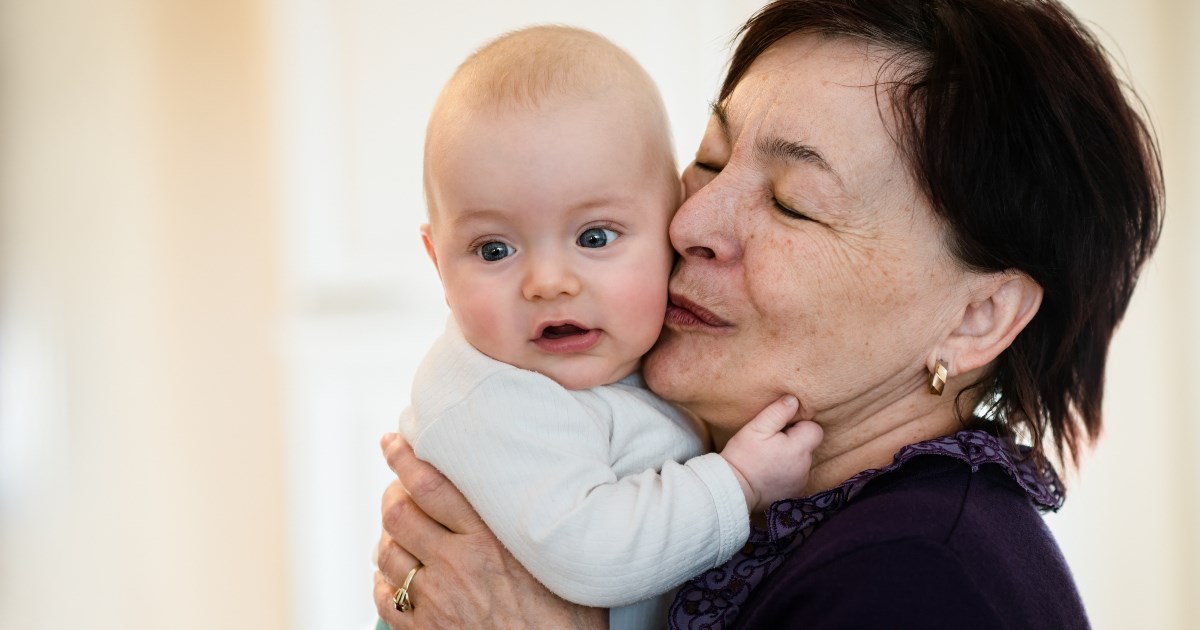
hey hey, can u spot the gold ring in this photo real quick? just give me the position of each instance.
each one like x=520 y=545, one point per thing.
x=400 y=599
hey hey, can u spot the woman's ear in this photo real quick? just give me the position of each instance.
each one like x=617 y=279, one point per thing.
x=1000 y=308
x=427 y=240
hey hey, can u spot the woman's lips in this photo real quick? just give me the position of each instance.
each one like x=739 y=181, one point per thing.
x=684 y=313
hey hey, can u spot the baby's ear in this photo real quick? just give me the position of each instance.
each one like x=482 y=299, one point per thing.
x=427 y=240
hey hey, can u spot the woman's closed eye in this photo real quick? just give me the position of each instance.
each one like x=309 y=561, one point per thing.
x=596 y=237
x=698 y=174
x=788 y=212
x=492 y=251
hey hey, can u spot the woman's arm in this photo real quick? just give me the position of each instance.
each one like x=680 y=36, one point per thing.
x=467 y=580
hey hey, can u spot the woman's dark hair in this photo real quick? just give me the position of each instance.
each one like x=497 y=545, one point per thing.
x=1030 y=152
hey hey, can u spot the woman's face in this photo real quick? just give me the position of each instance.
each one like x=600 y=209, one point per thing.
x=811 y=263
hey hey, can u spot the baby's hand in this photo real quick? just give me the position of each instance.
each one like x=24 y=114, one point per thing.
x=770 y=458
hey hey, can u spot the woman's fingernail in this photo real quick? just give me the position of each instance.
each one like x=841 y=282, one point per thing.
x=388 y=438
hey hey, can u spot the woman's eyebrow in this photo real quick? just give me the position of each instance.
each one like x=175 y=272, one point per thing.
x=792 y=152
x=718 y=111
x=779 y=148
x=796 y=152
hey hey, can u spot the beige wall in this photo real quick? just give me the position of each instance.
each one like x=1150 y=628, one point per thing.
x=1130 y=522
x=141 y=286
x=212 y=300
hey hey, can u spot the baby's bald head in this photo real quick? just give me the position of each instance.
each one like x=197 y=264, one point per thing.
x=536 y=67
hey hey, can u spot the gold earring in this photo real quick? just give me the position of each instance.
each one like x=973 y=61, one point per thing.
x=938 y=382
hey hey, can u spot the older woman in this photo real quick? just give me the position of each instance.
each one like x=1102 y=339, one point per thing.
x=924 y=219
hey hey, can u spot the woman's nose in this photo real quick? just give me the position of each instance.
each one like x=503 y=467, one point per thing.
x=705 y=227
x=548 y=278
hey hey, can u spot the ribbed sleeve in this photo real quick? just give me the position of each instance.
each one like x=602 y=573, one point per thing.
x=537 y=462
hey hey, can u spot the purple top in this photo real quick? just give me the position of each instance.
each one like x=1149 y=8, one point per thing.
x=923 y=491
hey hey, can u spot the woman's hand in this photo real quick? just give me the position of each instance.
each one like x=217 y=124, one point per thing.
x=467 y=578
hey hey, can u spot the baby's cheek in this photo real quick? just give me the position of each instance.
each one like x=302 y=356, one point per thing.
x=485 y=328
x=644 y=312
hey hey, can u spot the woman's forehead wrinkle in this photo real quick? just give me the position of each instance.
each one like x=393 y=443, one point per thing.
x=738 y=112
x=806 y=102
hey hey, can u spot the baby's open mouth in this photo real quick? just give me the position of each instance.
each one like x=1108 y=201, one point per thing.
x=566 y=330
x=565 y=337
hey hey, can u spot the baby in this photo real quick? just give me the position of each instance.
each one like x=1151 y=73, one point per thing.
x=550 y=183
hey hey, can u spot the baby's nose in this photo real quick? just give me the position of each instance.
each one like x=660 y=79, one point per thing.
x=549 y=279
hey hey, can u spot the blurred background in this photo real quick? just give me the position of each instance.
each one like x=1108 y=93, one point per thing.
x=213 y=298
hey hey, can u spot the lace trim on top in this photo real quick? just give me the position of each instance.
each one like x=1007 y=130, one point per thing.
x=713 y=599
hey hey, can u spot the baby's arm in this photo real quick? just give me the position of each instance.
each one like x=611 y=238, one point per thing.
x=770 y=458
x=537 y=467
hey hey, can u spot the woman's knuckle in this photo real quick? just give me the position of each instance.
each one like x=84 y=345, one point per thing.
x=393 y=490
x=386 y=559
x=396 y=513
x=425 y=482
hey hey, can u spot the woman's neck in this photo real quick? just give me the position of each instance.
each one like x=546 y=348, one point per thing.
x=850 y=448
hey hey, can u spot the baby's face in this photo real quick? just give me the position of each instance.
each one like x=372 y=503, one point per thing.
x=550 y=235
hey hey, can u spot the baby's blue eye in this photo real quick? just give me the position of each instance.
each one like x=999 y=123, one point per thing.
x=492 y=251
x=596 y=237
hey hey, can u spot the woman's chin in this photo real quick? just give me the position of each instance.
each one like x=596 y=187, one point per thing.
x=667 y=373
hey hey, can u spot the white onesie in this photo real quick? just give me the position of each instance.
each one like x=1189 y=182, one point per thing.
x=583 y=487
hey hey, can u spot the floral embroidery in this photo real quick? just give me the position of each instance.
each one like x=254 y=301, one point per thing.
x=713 y=599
